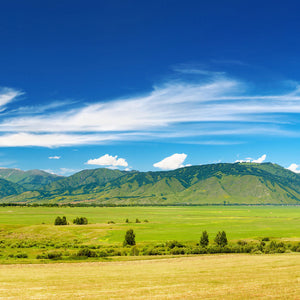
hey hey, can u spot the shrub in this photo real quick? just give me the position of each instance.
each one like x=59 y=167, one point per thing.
x=177 y=251
x=129 y=238
x=110 y=222
x=266 y=239
x=42 y=256
x=86 y=252
x=102 y=253
x=242 y=243
x=80 y=221
x=134 y=251
x=54 y=255
x=137 y=221
x=146 y=221
x=173 y=244
x=61 y=221
x=21 y=255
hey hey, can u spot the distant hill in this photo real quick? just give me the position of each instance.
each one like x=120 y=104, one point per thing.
x=30 y=180
x=9 y=188
x=238 y=183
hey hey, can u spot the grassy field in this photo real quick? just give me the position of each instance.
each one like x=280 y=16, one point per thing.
x=202 y=277
x=165 y=223
x=28 y=234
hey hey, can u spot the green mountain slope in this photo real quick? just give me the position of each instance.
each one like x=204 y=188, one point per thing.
x=9 y=188
x=31 y=180
x=238 y=183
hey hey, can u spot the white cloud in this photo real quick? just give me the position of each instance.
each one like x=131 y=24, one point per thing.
x=260 y=160
x=174 y=161
x=219 y=106
x=66 y=171
x=294 y=168
x=54 y=157
x=249 y=159
x=108 y=160
x=7 y=95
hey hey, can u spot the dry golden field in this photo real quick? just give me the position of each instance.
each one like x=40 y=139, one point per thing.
x=234 y=276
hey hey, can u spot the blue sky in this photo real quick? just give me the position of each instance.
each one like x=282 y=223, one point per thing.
x=148 y=85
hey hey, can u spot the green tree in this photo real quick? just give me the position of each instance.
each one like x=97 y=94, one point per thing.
x=129 y=238
x=80 y=221
x=61 y=221
x=204 y=240
x=57 y=221
x=221 y=239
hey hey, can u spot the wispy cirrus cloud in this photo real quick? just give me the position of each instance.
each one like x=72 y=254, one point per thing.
x=215 y=106
x=7 y=95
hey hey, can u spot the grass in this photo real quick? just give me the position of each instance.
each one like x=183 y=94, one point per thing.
x=165 y=223
x=201 y=277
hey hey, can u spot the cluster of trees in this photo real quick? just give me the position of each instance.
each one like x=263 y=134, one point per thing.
x=80 y=221
x=61 y=221
x=220 y=239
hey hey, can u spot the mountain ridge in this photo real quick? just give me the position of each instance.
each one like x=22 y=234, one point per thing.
x=231 y=183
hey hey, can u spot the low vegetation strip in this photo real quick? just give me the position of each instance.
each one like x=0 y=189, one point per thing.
x=201 y=277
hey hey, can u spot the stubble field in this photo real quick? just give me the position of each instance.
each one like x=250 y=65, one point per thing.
x=199 y=277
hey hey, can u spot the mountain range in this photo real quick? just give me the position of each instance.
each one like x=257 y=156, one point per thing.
x=222 y=183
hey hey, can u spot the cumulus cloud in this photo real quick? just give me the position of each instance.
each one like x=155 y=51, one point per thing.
x=54 y=157
x=249 y=159
x=294 y=168
x=260 y=159
x=172 y=162
x=108 y=160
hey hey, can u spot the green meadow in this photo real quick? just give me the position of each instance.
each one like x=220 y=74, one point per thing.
x=164 y=223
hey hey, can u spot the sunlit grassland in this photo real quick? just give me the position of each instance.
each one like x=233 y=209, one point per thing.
x=165 y=223
x=235 y=276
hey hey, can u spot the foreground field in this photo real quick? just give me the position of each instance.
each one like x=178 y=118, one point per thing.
x=202 y=277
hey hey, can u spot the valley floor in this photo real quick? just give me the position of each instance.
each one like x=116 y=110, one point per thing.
x=231 y=276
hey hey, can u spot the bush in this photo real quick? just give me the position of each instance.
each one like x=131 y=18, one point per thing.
x=54 y=255
x=173 y=244
x=110 y=222
x=102 y=253
x=134 y=251
x=21 y=255
x=266 y=239
x=80 y=221
x=137 y=221
x=61 y=221
x=86 y=252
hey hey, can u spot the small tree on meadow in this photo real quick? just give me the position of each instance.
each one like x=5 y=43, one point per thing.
x=129 y=238
x=61 y=221
x=221 y=239
x=204 y=240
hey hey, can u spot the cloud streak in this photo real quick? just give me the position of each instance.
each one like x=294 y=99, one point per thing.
x=216 y=106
